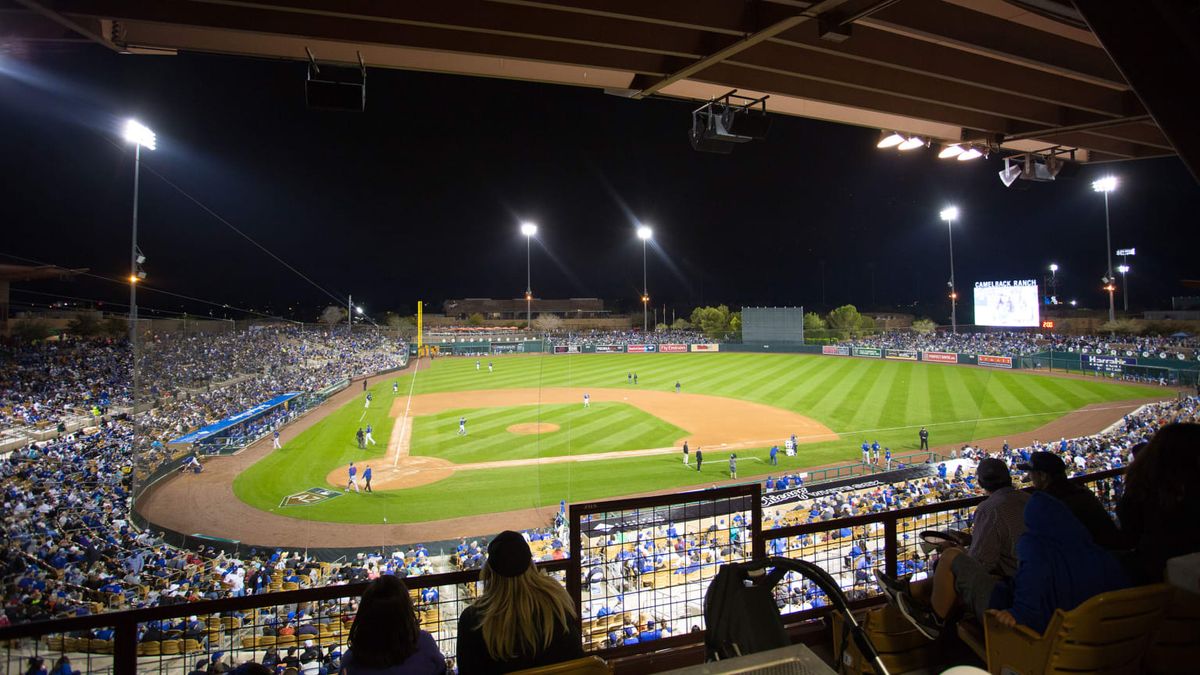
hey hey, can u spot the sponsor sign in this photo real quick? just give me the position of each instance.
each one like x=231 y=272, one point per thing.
x=234 y=420
x=939 y=357
x=610 y=349
x=869 y=352
x=994 y=361
x=833 y=487
x=706 y=348
x=672 y=349
x=640 y=349
x=309 y=497
x=566 y=349
x=835 y=350
x=900 y=354
x=507 y=347
x=1107 y=364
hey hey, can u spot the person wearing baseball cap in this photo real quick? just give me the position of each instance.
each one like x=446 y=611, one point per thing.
x=522 y=619
x=1047 y=473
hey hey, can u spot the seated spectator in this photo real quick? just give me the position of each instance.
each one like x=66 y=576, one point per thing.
x=522 y=619
x=385 y=638
x=1060 y=568
x=1160 y=507
x=1048 y=473
x=63 y=666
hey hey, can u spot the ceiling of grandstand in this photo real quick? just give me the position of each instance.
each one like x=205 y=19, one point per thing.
x=1025 y=75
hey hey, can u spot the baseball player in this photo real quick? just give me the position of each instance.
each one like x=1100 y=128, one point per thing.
x=367 y=402
x=395 y=386
x=685 y=453
x=875 y=451
x=699 y=457
x=476 y=364
x=635 y=378
x=367 y=477
x=887 y=456
x=490 y=368
x=462 y=426
x=353 y=478
x=587 y=400
x=677 y=386
x=866 y=448
x=628 y=378
x=275 y=440
x=370 y=440
x=732 y=465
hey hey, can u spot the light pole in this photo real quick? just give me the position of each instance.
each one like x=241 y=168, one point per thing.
x=141 y=136
x=528 y=229
x=644 y=233
x=950 y=214
x=1124 y=270
x=349 y=313
x=1106 y=185
x=1054 y=282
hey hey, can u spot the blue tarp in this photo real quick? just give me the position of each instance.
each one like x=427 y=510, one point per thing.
x=234 y=420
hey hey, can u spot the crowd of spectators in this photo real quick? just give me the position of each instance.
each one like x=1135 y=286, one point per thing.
x=629 y=337
x=1008 y=343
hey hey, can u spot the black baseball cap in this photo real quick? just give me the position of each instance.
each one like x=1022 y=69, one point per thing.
x=992 y=474
x=1047 y=462
x=509 y=554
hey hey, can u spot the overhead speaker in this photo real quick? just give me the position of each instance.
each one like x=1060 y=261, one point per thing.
x=338 y=88
x=751 y=124
x=705 y=137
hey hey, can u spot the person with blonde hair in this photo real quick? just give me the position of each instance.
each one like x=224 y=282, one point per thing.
x=522 y=619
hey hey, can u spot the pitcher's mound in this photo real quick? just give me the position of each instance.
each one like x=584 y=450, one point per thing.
x=532 y=428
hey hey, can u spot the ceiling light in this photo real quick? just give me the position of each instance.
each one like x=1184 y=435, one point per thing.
x=969 y=154
x=950 y=151
x=1010 y=173
x=912 y=143
x=890 y=141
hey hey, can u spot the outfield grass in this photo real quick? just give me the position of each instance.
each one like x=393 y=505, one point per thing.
x=861 y=399
x=604 y=427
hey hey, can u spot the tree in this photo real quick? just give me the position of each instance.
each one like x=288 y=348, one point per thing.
x=923 y=326
x=813 y=321
x=866 y=323
x=475 y=319
x=31 y=330
x=333 y=314
x=681 y=324
x=115 y=327
x=735 y=322
x=547 y=323
x=660 y=327
x=84 y=325
x=845 y=317
x=1120 y=327
x=713 y=321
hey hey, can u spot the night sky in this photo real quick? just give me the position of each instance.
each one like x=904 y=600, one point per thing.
x=421 y=196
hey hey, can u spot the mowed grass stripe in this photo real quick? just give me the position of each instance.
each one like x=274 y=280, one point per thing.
x=917 y=405
x=819 y=386
x=868 y=411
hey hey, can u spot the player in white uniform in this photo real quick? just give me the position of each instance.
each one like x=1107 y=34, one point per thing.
x=587 y=401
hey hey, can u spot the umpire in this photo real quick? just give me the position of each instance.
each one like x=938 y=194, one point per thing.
x=924 y=434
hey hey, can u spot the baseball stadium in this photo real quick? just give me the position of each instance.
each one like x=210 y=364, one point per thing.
x=254 y=418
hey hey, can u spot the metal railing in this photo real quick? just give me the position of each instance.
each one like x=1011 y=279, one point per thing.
x=639 y=568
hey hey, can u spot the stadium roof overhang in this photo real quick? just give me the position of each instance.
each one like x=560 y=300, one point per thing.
x=1020 y=75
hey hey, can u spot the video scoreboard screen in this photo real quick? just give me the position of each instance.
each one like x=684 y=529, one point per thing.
x=1012 y=304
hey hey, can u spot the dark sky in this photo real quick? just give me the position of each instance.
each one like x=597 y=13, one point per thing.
x=420 y=197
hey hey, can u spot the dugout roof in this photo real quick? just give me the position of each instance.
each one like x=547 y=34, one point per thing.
x=1022 y=75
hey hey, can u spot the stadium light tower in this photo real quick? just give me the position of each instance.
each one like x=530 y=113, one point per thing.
x=140 y=135
x=644 y=233
x=1054 y=282
x=950 y=214
x=529 y=230
x=1106 y=185
x=1124 y=270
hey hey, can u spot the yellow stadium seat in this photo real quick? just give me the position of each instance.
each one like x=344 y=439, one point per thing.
x=588 y=665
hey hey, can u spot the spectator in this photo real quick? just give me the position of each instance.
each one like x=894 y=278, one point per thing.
x=1160 y=508
x=523 y=618
x=1048 y=473
x=385 y=638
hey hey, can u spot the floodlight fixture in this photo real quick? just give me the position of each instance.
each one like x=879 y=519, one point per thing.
x=1010 y=173
x=140 y=259
x=949 y=151
x=528 y=229
x=644 y=232
x=950 y=213
x=1053 y=267
x=912 y=143
x=1105 y=184
x=141 y=274
x=1123 y=269
x=969 y=154
x=359 y=309
x=890 y=141
x=133 y=279
x=1074 y=302
x=136 y=132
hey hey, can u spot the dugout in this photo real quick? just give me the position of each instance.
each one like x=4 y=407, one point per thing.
x=773 y=325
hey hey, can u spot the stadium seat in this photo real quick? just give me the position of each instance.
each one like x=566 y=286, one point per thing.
x=170 y=647
x=191 y=646
x=149 y=648
x=1110 y=632
x=588 y=665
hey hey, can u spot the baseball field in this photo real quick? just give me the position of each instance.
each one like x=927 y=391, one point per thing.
x=529 y=440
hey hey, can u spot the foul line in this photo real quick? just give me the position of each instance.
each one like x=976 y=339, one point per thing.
x=407 y=408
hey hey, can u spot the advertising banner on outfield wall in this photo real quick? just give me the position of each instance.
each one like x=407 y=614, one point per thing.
x=900 y=354
x=706 y=348
x=640 y=349
x=852 y=484
x=672 y=349
x=507 y=347
x=1106 y=364
x=566 y=349
x=870 y=352
x=939 y=357
x=835 y=350
x=610 y=349
x=994 y=361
